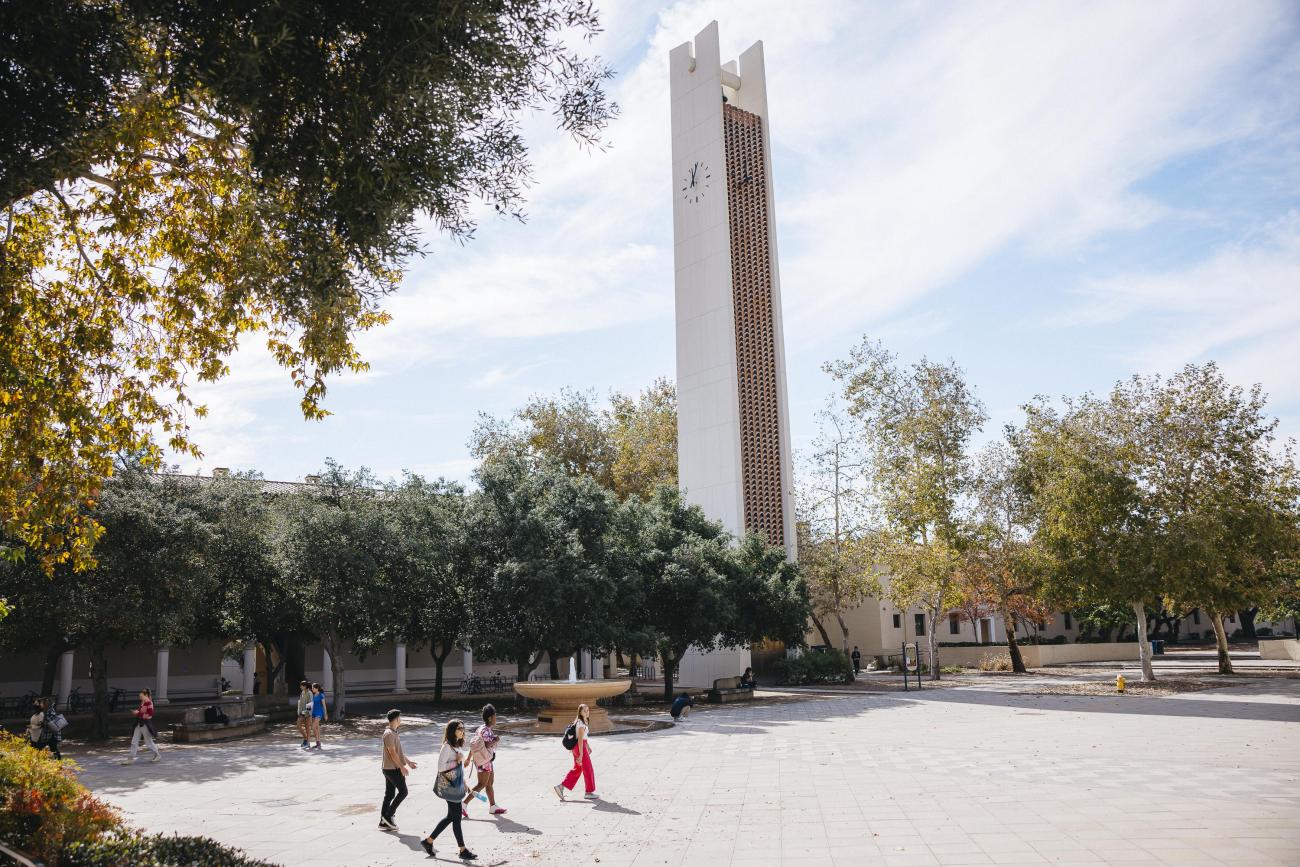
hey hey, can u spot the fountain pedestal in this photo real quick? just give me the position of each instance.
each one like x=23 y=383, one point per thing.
x=562 y=700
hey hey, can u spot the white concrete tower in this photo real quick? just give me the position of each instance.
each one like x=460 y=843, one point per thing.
x=732 y=414
x=733 y=419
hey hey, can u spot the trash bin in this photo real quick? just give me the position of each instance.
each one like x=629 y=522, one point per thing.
x=1157 y=648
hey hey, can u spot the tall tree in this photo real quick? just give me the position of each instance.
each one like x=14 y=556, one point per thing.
x=148 y=589
x=1222 y=499
x=1089 y=511
x=177 y=175
x=334 y=543
x=644 y=433
x=541 y=550
x=685 y=569
x=917 y=422
x=834 y=551
x=428 y=579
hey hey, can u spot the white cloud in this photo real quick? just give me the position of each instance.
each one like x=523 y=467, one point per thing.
x=1239 y=306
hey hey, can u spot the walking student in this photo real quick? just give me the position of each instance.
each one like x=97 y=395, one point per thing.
x=483 y=752
x=304 y=713
x=394 y=765
x=144 y=728
x=319 y=712
x=41 y=733
x=450 y=786
x=581 y=758
x=857 y=660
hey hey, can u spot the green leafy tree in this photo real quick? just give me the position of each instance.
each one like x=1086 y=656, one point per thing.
x=769 y=593
x=149 y=587
x=1090 y=515
x=177 y=176
x=429 y=572
x=917 y=422
x=685 y=571
x=644 y=433
x=334 y=544
x=541 y=554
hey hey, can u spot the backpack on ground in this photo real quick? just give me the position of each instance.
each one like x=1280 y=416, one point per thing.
x=570 y=739
x=210 y=715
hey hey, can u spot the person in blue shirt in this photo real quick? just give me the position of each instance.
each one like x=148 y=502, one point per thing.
x=682 y=706
x=319 y=712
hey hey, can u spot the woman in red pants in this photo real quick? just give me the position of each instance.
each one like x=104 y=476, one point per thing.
x=581 y=759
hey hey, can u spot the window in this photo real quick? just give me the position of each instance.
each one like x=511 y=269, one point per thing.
x=1232 y=618
x=954 y=624
x=898 y=620
x=1068 y=623
x=1041 y=626
x=920 y=625
x=1196 y=616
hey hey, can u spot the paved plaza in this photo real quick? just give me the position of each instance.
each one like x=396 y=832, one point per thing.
x=953 y=775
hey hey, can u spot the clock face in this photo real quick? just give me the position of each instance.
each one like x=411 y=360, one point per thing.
x=695 y=182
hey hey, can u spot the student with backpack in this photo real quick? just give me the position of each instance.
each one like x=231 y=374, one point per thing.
x=575 y=740
x=483 y=752
x=144 y=729
x=449 y=785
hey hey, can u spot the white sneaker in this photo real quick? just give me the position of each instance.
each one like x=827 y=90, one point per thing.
x=157 y=757
x=591 y=796
x=559 y=791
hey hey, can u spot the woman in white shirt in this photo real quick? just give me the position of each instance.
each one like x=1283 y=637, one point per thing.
x=451 y=756
x=581 y=759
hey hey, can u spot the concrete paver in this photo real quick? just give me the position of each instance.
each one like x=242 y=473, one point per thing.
x=945 y=776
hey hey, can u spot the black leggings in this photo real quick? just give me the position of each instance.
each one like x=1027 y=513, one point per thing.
x=394 y=784
x=452 y=818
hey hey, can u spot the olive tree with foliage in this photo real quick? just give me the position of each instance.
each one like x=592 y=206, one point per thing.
x=540 y=555
x=334 y=543
x=176 y=176
x=916 y=421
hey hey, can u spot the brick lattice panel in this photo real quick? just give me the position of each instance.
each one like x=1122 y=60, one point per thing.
x=751 y=281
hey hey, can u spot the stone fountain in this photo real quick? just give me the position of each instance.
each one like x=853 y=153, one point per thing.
x=563 y=697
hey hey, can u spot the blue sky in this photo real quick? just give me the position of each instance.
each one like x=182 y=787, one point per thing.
x=1056 y=195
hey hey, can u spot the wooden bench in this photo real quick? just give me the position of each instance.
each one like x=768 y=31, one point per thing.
x=241 y=721
x=727 y=689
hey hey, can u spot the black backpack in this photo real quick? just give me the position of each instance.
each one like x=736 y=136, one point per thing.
x=570 y=739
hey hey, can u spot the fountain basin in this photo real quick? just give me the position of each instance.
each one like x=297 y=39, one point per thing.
x=563 y=697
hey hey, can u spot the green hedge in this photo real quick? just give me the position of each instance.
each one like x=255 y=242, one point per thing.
x=833 y=666
x=155 y=851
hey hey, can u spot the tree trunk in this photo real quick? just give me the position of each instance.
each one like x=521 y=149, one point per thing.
x=1013 y=647
x=844 y=629
x=441 y=650
x=826 y=636
x=1144 y=646
x=631 y=673
x=99 y=678
x=933 y=637
x=273 y=672
x=555 y=664
x=670 y=669
x=340 y=691
x=1221 y=642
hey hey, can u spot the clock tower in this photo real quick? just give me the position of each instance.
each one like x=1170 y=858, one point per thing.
x=733 y=439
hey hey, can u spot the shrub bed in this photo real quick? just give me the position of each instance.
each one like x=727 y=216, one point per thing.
x=833 y=666
x=113 y=850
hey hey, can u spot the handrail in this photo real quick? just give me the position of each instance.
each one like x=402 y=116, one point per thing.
x=21 y=859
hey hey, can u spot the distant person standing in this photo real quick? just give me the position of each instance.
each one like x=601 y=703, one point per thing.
x=450 y=786
x=52 y=734
x=582 y=766
x=319 y=712
x=304 y=713
x=483 y=752
x=41 y=734
x=682 y=707
x=144 y=728
x=394 y=765
x=857 y=660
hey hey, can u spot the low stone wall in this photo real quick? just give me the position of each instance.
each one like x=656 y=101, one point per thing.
x=1039 y=655
x=241 y=716
x=1280 y=648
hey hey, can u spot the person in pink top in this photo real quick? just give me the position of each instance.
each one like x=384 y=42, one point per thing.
x=144 y=728
x=483 y=751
